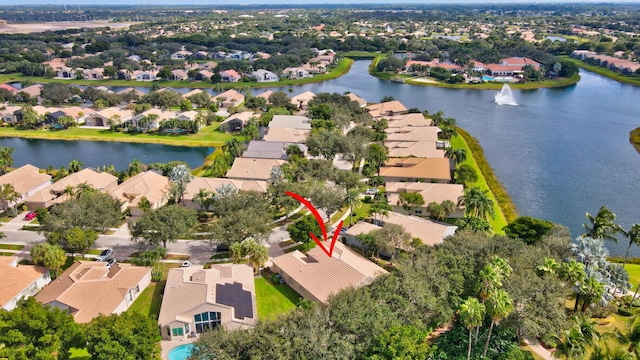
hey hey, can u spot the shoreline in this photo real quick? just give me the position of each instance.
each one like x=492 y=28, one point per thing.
x=635 y=81
x=634 y=138
x=343 y=67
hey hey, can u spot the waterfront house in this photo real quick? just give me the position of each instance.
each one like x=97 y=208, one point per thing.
x=143 y=75
x=316 y=276
x=228 y=99
x=9 y=88
x=194 y=92
x=302 y=100
x=93 y=74
x=26 y=181
x=66 y=72
x=412 y=133
x=33 y=91
x=236 y=122
x=420 y=149
x=353 y=97
x=262 y=75
x=179 y=75
x=10 y=113
x=131 y=90
x=150 y=119
x=230 y=76
x=105 y=117
x=295 y=73
x=253 y=169
x=90 y=288
x=19 y=281
x=298 y=122
x=197 y=300
x=386 y=109
x=408 y=120
x=150 y=185
x=54 y=194
x=431 y=192
x=265 y=95
x=181 y=55
x=270 y=149
x=285 y=134
x=203 y=75
x=417 y=170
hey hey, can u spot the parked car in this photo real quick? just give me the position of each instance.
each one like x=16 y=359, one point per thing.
x=186 y=264
x=371 y=191
x=110 y=262
x=30 y=215
x=105 y=255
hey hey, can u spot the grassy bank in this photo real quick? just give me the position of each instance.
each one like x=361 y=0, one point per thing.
x=503 y=205
x=497 y=86
x=340 y=69
x=208 y=136
x=633 y=80
x=634 y=138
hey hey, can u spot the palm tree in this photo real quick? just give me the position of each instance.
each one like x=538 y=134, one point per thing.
x=6 y=159
x=471 y=314
x=478 y=204
x=233 y=147
x=75 y=166
x=180 y=176
x=352 y=200
x=258 y=255
x=458 y=155
x=571 y=345
x=135 y=167
x=499 y=306
x=202 y=198
x=634 y=238
x=220 y=165
x=69 y=191
x=602 y=226
x=631 y=336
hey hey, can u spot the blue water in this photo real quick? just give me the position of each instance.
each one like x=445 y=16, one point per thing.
x=486 y=78
x=181 y=352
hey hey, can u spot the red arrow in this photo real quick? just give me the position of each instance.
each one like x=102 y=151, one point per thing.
x=316 y=214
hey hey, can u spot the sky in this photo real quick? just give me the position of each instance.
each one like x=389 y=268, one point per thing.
x=274 y=2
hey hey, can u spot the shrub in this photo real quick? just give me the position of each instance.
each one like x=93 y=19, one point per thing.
x=156 y=276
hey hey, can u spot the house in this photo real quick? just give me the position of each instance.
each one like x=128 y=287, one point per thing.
x=298 y=122
x=408 y=120
x=150 y=185
x=78 y=113
x=229 y=76
x=213 y=186
x=201 y=55
x=10 y=113
x=302 y=100
x=55 y=193
x=89 y=288
x=19 y=281
x=142 y=75
x=187 y=115
x=353 y=97
x=409 y=133
x=420 y=149
x=105 y=117
x=26 y=181
x=253 y=169
x=265 y=95
x=417 y=169
x=288 y=135
x=181 y=55
x=269 y=149
x=33 y=91
x=197 y=300
x=151 y=118
x=131 y=90
x=430 y=232
x=9 y=88
x=386 y=109
x=93 y=74
x=262 y=75
x=204 y=75
x=228 y=99
x=66 y=72
x=209 y=65
x=317 y=276
x=194 y=92
x=236 y=122
x=511 y=66
x=431 y=192
x=179 y=75
x=295 y=73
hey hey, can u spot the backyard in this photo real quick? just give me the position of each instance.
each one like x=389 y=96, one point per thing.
x=274 y=300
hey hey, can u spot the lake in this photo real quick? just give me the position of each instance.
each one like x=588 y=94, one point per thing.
x=57 y=153
x=561 y=153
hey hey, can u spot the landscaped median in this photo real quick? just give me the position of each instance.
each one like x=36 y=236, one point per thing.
x=505 y=210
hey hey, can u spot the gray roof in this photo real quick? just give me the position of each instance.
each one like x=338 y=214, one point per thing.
x=291 y=121
x=269 y=149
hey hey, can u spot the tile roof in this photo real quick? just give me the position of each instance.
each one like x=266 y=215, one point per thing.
x=323 y=276
x=286 y=134
x=25 y=178
x=149 y=184
x=408 y=120
x=383 y=109
x=431 y=192
x=417 y=168
x=410 y=133
x=424 y=149
x=15 y=279
x=253 y=169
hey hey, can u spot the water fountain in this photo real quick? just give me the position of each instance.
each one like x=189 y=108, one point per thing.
x=505 y=96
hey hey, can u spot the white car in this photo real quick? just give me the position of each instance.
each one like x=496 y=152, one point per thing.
x=186 y=264
x=371 y=191
x=110 y=262
x=105 y=255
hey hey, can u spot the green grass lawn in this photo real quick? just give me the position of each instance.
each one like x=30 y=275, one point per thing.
x=361 y=212
x=499 y=221
x=274 y=300
x=11 y=247
x=208 y=136
x=148 y=303
x=634 y=275
x=79 y=354
x=560 y=82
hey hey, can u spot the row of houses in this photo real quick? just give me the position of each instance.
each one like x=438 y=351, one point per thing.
x=511 y=66
x=623 y=66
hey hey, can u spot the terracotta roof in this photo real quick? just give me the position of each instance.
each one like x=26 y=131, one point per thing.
x=212 y=184
x=356 y=98
x=303 y=98
x=253 y=169
x=417 y=168
x=286 y=134
x=8 y=87
x=74 y=111
x=322 y=276
x=189 y=289
x=229 y=95
x=407 y=120
x=383 y=109
x=96 y=180
x=33 y=90
x=411 y=133
x=194 y=92
x=149 y=184
x=231 y=73
x=430 y=232
x=265 y=95
x=108 y=113
x=25 y=178
x=15 y=279
x=431 y=192
x=89 y=288
x=423 y=149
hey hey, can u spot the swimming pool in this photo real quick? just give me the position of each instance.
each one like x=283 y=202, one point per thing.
x=181 y=352
x=486 y=78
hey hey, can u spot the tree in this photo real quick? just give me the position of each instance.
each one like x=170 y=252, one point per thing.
x=33 y=331
x=400 y=342
x=75 y=166
x=258 y=254
x=631 y=336
x=528 y=229
x=56 y=93
x=6 y=159
x=129 y=335
x=90 y=211
x=466 y=174
x=499 y=306
x=602 y=226
x=410 y=200
x=471 y=314
x=352 y=200
x=9 y=197
x=478 y=204
x=233 y=147
x=49 y=256
x=180 y=176
x=376 y=155
x=458 y=155
x=634 y=238
x=326 y=197
x=240 y=216
x=135 y=167
x=395 y=235
x=326 y=143
x=281 y=100
x=77 y=240
x=163 y=225
x=255 y=103
x=186 y=105
x=300 y=229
